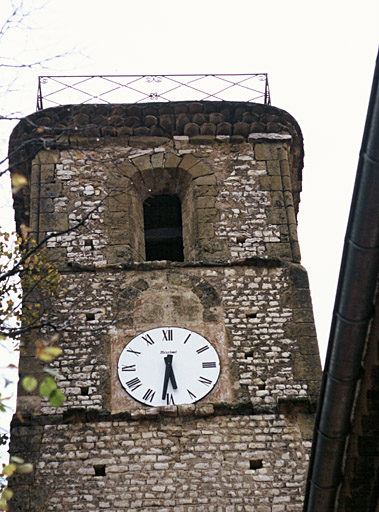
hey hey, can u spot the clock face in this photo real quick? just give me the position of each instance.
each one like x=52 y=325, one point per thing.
x=168 y=366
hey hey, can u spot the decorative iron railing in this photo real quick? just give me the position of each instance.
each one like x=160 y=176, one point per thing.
x=63 y=90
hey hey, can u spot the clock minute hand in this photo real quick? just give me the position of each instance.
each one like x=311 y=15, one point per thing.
x=168 y=361
x=169 y=375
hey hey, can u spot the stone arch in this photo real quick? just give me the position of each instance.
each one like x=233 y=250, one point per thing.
x=187 y=177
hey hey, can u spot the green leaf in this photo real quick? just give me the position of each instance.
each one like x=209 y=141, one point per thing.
x=57 y=398
x=29 y=383
x=48 y=354
x=9 y=469
x=7 y=494
x=24 y=469
x=47 y=386
x=17 y=460
x=18 y=182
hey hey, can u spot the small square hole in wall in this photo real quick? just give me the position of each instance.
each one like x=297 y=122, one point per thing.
x=84 y=391
x=251 y=314
x=90 y=317
x=99 y=470
x=256 y=464
x=249 y=354
x=88 y=243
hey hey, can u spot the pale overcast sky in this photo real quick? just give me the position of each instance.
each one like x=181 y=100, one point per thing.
x=319 y=56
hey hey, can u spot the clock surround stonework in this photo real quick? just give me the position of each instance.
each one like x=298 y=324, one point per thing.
x=236 y=168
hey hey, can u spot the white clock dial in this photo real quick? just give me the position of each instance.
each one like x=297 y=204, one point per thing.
x=168 y=366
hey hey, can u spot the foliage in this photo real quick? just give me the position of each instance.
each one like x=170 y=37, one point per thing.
x=27 y=282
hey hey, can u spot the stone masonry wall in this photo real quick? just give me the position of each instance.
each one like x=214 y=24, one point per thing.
x=219 y=463
x=236 y=199
x=269 y=342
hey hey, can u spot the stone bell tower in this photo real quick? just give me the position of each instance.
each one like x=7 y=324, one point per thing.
x=190 y=362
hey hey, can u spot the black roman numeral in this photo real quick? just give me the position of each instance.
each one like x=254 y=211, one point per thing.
x=134 y=383
x=133 y=351
x=191 y=394
x=149 y=395
x=205 y=381
x=170 y=399
x=188 y=337
x=129 y=368
x=202 y=349
x=210 y=364
x=149 y=340
x=167 y=335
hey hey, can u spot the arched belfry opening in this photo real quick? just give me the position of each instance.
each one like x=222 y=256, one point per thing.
x=162 y=216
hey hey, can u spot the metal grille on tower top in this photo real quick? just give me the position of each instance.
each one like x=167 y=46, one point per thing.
x=62 y=90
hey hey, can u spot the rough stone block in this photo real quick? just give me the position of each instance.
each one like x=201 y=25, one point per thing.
x=273 y=167
x=205 y=180
x=157 y=160
x=200 y=169
x=51 y=189
x=267 y=150
x=205 y=190
x=279 y=250
x=46 y=205
x=276 y=183
x=203 y=139
x=47 y=173
x=119 y=201
x=171 y=161
x=191 y=130
x=207 y=215
x=142 y=162
x=48 y=157
x=277 y=216
x=265 y=182
x=206 y=230
x=188 y=162
x=53 y=222
x=205 y=202
x=119 y=254
x=277 y=199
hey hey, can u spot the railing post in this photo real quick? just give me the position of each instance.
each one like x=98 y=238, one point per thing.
x=39 y=96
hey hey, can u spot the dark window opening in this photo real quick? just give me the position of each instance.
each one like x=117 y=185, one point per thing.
x=163 y=228
x=84 y=390
x=90 y=317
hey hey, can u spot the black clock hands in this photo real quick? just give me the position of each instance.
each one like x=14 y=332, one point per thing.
x=169 y=375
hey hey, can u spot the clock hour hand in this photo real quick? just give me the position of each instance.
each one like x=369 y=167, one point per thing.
x=169 y=375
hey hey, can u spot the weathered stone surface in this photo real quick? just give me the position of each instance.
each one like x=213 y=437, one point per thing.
x=48 y=157
x=171 y=161
x=47 y=173
x=191 y=129
x=150 y=121
x=224 y=129
x=143 y=163
x=51 y=189
x=53 y=222
x=208 y=446
x=241 y=128
x=208 y=129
